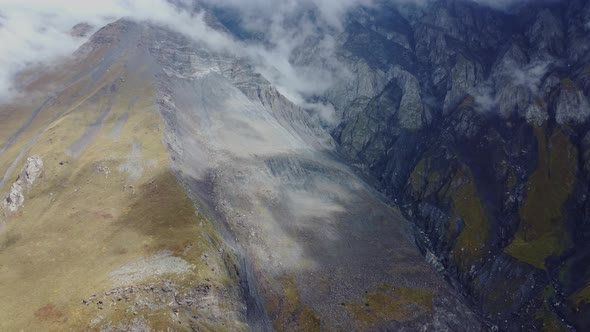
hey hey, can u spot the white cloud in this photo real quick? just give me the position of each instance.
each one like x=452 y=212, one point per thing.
x=34 y=31
x=330 y=11
x=38 y=31
x=529 y=76
x=484 y=97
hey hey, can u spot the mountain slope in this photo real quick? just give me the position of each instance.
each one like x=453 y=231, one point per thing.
x=142 y=126
x=107 y=238
x=150 y=182
x=476 y=122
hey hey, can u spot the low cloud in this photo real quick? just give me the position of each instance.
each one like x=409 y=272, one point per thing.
x=38 y=31
x=484 y=96
x=288 y=26
x=278 y=11
x=529 y=76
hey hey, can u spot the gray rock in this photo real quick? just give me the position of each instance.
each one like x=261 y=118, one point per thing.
x=578 y=13
x=572 y=105
x=465 y=75
x=510 y=94
x=536 y=113
x=81 y=30
x=15 y=198
x=362 y=82
x=33 y=168
x=411 y=109
x=546 y=34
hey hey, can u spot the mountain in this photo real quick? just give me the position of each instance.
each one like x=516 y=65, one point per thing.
x=153 y=182
x=475 y=121
x=173 y=186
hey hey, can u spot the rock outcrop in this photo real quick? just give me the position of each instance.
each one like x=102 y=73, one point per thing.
x=15 y=197
x=572 y=105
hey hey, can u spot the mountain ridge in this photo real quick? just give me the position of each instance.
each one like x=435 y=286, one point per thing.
x=460 y=133
x=151 y=108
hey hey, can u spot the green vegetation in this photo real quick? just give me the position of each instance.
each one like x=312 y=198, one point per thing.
x=389 y=303
x=542 y=232
x=289 y=312
x=417 y=177
x=434 y=179
x=424 y=180
x=548 y=292
x=88 y=216
x=551 y=323
x=466 y=204
x=582 y=296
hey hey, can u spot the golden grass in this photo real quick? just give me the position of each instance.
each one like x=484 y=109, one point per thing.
x=78 y=224
x=582 y=296
x=542 y=232
x=471 y=243
x=389 y=303
x=287 y=310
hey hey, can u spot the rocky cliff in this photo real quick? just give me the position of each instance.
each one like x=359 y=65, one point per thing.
x=475 y=121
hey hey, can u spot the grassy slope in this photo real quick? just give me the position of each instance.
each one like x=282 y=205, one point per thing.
x=79 y=224
x=463 y=196
x=391 y=303
x=542 y=232
x=14 y=115
x=471 y=243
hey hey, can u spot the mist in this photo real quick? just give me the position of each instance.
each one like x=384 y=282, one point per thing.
x=37 y=32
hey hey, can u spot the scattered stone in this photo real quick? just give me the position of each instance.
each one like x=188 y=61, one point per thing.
x=160 y=264
x=89 y=300
x=103 y=169
x=195 y=297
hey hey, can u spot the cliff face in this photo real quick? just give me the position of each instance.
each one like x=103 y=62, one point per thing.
x=475 y=122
